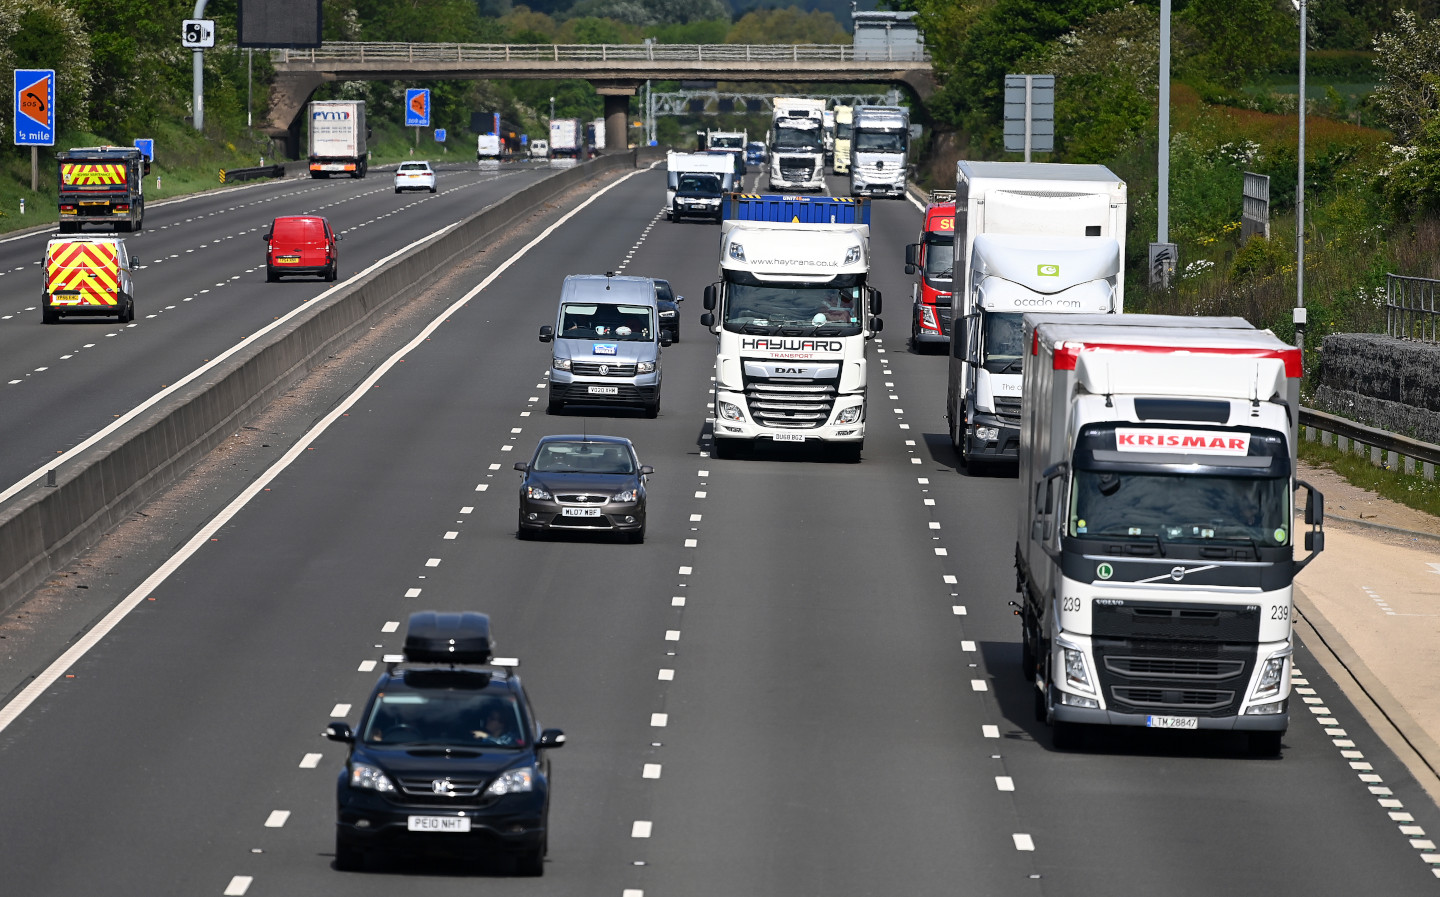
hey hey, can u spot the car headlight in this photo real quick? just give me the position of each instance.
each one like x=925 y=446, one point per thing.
x=513 y=781
x=363 y=775
x=1272 y=675
x=560 y=364
x=645 y=367
x=730 y=412
x=667 y=314
x=737 y=252
x=537 y=492
x=850 y=415
x=626 y=495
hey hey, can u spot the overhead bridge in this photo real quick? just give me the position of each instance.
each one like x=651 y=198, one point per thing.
x=616 y=70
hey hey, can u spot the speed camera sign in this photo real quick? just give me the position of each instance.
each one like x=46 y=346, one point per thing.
x=197 y=34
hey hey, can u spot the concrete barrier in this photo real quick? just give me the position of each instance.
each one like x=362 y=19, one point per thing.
x=44 y=528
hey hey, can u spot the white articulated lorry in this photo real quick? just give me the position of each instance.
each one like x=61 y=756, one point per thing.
x=879 y=146
x=844 y=123
x=797 y=144
x=793 y=313
x=1155 y=549
x=1062 y=250
x=337 y=138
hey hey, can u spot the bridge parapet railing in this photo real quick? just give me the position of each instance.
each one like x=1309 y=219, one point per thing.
x=356 y=51
x=1411 y=308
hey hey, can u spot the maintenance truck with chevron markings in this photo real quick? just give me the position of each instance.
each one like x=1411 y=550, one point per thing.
x=794 y=313
x=102 y=185
x=1155 y=549
x=88 y=276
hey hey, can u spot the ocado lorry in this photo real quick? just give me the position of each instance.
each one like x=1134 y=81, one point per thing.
x=794 y=313
x=1029 y=237
x=1155 y=548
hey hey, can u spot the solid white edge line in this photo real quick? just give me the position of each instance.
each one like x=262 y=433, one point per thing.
x=28 y=695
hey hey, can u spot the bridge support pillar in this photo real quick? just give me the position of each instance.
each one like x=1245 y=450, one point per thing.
x=617 y=114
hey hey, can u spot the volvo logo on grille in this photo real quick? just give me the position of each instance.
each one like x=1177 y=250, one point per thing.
x=604 y=369
x=1177 y=573
x=442 y=786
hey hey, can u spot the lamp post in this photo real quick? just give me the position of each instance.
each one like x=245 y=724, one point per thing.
x=1300 y=197
x=552 y=111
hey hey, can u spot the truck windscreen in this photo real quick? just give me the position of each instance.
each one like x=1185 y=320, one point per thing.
x=879 y=142
x=794 y=309
x=1003 y=350
x=940 y=258
x=798 y=139
x=842 y=131
x=1159 y=508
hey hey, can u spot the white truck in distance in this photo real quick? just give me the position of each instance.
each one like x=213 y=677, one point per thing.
x=879 y=147
x=565 y=138
x=337 y=138
x=844 y=122
x=487 y=146
x=797 y=144
x=1155 y=552
x=1064 y=251
x=677 y=164
x=793 y=313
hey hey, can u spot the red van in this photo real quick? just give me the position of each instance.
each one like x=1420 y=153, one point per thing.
x=301 y=244
x=933 y=259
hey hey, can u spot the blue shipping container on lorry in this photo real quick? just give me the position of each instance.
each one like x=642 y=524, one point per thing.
x=797 y=209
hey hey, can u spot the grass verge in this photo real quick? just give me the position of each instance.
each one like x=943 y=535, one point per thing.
x=1411 y=490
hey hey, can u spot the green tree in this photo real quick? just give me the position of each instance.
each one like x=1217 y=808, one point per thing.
x=791 y=25
x=1408 y=60
x=49 y=34
x=1234 y=40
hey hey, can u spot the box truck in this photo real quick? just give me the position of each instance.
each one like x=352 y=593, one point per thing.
x=565 y=138
x=337 y=138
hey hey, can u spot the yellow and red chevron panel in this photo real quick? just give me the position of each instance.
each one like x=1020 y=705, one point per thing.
x=91 y=270
x=93 y=174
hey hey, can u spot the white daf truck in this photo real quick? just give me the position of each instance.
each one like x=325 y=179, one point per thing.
x=879 y=147
x=797 y=144
x=794 y=313
x=1155 y=549
x=1055 y=242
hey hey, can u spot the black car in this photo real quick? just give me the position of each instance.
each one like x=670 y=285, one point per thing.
x=448 y=758
x=698 y=195
x=668 y=305
x=583 y=484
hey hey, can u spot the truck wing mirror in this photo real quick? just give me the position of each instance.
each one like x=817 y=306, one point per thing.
x=874 y=302
x=707 y=320
x=710 y=297
x=912 y=257
x=1315 y=518
x=876 y=325
x=547 y=333
x=1314 y=506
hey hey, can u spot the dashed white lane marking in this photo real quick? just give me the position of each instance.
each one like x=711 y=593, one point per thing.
x=988 y=731
x=958 y=610
x=672 y=635
x=340 y=711
x=967 y=646
x=979 y=685
x=366 y=666
x=1004 y=783
x=483 y=487
x=412 y=593
x=685 y=571
x=677 y=601
x=238 y=886
x=699 y=494
x=691 y=543
x=468 y=509
x=659 y=720
x=950 y=579
x=393 y=658
x=1023 y=841
x=452 y=535
x=650 y=771
x=941 y=552
x=433 y=562
x=640 y=828
x=666 y=675
x=495 y=466
x=390 y=626
x=632 y=892
x=277 y=819
x=311 y=761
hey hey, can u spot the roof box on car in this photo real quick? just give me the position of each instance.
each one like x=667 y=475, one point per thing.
x=433 y=637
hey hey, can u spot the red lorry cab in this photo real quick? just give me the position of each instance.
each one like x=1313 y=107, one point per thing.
x=301 y=244
x=933 y=258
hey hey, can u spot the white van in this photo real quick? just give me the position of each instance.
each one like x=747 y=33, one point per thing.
x=607 y=342
x=539 y=149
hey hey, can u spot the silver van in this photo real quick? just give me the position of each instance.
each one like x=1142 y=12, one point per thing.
x=607 y=343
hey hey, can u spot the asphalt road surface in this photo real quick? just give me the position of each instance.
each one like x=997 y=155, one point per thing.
x=199 y=289
x=805 y=681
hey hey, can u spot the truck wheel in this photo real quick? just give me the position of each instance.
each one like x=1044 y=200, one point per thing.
x=721 y=448
x=849 y=452
x=1265 y=744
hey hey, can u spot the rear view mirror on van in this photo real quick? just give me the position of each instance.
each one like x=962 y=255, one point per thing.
x=547 y=333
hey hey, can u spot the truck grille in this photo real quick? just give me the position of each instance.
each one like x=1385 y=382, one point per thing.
x=873 y=172
x=797 y=169
x=1188 y=700
x=1008 y=410
x=592 y=369
x=1174 y=667
x=943 y=315
x=790 y=403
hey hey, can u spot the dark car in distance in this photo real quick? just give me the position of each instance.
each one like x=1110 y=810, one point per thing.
x=667 y=305
x=754 y=153
x=584 y=484
x=448 y=758
x=698 y=195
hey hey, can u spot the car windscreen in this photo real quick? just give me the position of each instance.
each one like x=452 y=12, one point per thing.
x=1181 y=507
x=583 y=457
x=444 y=717
x=625 y=323
x=699 y=184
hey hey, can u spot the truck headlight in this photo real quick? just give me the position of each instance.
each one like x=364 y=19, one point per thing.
x=645 y=367
x=1077 y=672
x=989 y=434
x=560 y=364
x=849 y=415
x=1272 y=676
x=737 y=252
x=927 y=317
x=729 y=411
x=363 y=775
x=513 y=781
